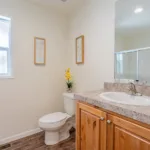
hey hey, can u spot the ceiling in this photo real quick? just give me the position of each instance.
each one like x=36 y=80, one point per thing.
x=65 y=7
x=129 y=22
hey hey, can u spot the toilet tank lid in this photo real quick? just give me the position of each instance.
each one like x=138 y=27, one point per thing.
x=69 y=95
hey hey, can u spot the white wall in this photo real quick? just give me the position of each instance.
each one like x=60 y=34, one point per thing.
x=138 y=40
x=119 y=42
x=34 y=90
x=132 y=41
x=95 y=20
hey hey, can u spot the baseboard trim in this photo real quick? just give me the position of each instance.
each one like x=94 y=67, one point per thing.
x=19 y=136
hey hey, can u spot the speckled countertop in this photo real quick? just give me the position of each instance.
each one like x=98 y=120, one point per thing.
x=139 y=113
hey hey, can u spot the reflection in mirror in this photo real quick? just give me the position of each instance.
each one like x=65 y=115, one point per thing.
x=132 y=40
x=126 y=66
x=144 y=62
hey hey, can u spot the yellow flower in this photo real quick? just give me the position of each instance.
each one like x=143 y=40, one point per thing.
x=68 y=75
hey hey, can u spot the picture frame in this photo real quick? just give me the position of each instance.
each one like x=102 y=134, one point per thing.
x=80 y=50
x=39 y=51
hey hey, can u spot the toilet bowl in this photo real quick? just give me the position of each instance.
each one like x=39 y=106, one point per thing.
x=56 y=125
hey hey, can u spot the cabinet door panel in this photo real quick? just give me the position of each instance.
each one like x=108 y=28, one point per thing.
x=89 y=131
x=125 y=135
x=125 y=140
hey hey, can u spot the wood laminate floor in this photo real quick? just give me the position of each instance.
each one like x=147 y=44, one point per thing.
x=36 y=142
x=66 y=145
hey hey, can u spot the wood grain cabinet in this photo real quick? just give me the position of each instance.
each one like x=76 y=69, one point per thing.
x=90 y=128
x=126 y=135
x=99 y=130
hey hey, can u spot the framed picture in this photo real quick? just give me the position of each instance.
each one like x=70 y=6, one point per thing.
x=39 y=51
x=80 y=50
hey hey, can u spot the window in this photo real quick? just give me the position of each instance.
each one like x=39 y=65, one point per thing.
x=5 y=59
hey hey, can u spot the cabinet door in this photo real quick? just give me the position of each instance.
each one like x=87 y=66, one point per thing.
x=91 y=128
x=125 y=135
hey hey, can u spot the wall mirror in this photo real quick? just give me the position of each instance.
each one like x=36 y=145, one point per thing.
x=132 y=40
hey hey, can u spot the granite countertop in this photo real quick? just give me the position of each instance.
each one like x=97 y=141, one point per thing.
x=139 y=113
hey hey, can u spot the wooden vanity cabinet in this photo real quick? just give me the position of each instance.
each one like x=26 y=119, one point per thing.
x=100 y=130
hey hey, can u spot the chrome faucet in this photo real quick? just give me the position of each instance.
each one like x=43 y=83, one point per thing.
x=132 y=88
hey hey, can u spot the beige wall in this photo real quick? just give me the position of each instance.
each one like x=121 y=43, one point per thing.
x=119 y=42
x=34 y=90
x=132 y=41
x=95 y=20
x=138 y=40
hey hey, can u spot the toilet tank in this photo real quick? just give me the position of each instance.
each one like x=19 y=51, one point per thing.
x=69 y=103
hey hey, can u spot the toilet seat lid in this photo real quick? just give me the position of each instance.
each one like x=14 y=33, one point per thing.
x=53 y=118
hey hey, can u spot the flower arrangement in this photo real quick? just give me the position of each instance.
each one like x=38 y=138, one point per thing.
x=69 y=81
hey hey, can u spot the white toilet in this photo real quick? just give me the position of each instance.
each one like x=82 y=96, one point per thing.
x=56 y=125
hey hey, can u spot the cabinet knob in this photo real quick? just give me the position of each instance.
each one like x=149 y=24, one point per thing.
x=109 y=121
x=102 y=118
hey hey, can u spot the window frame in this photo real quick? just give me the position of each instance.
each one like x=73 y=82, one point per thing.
x=8 y=50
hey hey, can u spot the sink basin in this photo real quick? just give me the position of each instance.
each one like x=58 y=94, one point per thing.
x=123 y=98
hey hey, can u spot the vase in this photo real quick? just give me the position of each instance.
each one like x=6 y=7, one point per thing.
x=69 y=90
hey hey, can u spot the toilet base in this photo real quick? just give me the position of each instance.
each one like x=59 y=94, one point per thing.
x=52 y=138
x=64 y=136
